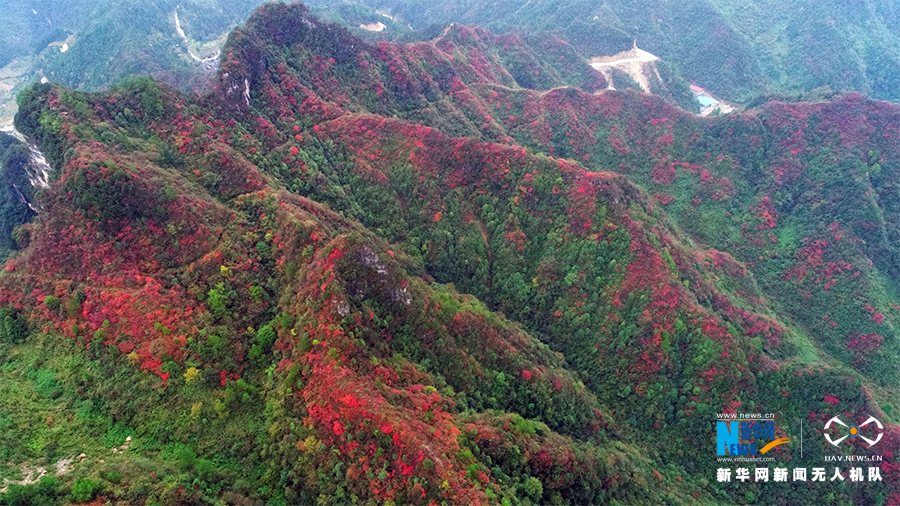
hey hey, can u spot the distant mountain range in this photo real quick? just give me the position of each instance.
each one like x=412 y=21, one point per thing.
x=739 y=50
x=91 y=44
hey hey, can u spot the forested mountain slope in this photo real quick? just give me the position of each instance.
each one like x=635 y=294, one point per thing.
x=448 y=272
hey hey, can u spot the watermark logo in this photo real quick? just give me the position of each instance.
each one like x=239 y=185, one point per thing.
x=854 y=431
x=746 y=437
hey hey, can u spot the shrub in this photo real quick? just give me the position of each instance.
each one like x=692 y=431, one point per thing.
x=47 y=384
x=264 y=249
x=73 y=307
x=256 y=293
x=52 y=303
x=45 y=492
x=191 y=374
x=84 y=490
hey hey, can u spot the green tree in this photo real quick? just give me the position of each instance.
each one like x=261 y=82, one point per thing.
x=533 y=487
x=218 y=300
x=13 y=327
x=266 y=336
